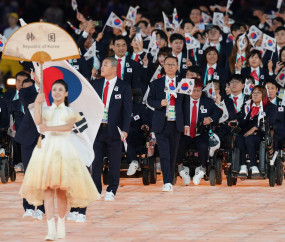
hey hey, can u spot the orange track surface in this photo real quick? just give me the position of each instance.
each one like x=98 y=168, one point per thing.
x=250 y=211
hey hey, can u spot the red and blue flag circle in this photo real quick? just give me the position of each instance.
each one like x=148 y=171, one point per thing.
x=1 y=44
x=176 y=18
x=53 y=73
x=171 y=86
x=202 y=20
x=250 y=87
x=270 y=43
x=184 y=86
x=187 y=40
x=117 y=21
x=253 y=35
x=211 y=91
x=158 y=76
x=133 y=14
x=282 y=76
x=230 y=38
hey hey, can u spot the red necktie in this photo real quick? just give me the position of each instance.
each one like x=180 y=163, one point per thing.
x=119 y=68
x=235 y=102
x=136 y=58
x=210 y=71
x=214 y=46
x=193 y=120
x=192 y=53
x=254 y=75
x=105 y=94
x=172 y=98
x=254 y=111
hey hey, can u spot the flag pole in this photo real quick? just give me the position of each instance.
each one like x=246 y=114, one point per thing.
x=39 y=144
x=271 y=56
x=103 y=28
x=187 y=54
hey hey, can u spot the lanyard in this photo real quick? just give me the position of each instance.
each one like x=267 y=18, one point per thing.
x=167 y=94
x=71 y=62
x=195 y=57
x=123 y=71
x=234 y=103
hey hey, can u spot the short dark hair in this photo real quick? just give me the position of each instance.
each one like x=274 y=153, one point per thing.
x=164 y=51
x=176 y=36
x=253 y=53
x=237 y=77
x=236 y=26
x=196 y=35
x=155 y=20
x=162 y=34
x=207 y=50
x=142 y=22
x=22 y=73
x=171 y=57
x=28 y=80
x=249 y=77
x=279 y=28
x=217 y=28
x=186 y=21
x=272 y=81
x=119 y=37
x=195 y=69
x=280 y=20
x=194 y=8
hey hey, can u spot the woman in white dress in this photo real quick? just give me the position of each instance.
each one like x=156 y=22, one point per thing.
x=56 y=169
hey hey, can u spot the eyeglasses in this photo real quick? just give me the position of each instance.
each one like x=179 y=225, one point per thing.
x=170 y=65
x=256 y=93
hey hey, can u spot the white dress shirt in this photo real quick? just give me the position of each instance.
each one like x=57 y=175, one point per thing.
x=239 y=100
x=112 y=83
x=274 y=101
x=214 y=67
x=216 y=45
x=37 y=88
x=179 y=57
x=134 y=55
x=16 y=96
x=123 y=60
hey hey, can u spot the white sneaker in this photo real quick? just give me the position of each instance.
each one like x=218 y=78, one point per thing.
x=167 y=187
x=198 y=176
x=72 y=216
x=19 y=167
x=39 y=214
x=197 y=169
x=81 y=218
x=243 y=170
x=158 y=167
x=30 y=213
x=109 y=197
x=185 y=175
x=133 y=168
x=254 y=170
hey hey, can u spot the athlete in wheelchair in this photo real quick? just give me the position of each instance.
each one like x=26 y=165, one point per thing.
x=197 y=138
x=255 y=140
x=136 y=160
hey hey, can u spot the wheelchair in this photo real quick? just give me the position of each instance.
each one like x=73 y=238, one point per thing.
x=147 y=164
x=6 y=160
x=214 y=169
x=269 y=163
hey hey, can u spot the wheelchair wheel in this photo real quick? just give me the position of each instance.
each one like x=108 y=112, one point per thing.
x=271 y=177
x=234 y=181
x=229 y=177
x=219 y=172
x=153 y=175
x=106 y=176
x=174 y=178
x=146 y=176
x=212 y=176
x=12 y=176
x=279 y=171
x=4 y=171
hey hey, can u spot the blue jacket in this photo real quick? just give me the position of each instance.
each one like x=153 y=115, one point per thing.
x=219 y=73
x=156 y=94
x=280 y=120
x=264 y=73
x=120 y=108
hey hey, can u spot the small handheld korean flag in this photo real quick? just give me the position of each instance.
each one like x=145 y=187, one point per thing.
x=77 y=31
x=254 y=34
x=205 y=18
x=74 y=5
x=268 y=42
x=185 y=86
x=242 y=42
x=123 y=138
x=191 y=42
x=261 y=114
x=279 y=3
x=3 y=41
x=230 y=38
x=167 y=23
x=131 y=15
x=225 y=115
x=229 y=4
x=218 y=19
x=247 y=87
x=114 y=21
x=170 y=88
x=210 y=91
x=280 y=79
x=175 y=18
x=91 y=51
x=247 y=107
x=261 y=49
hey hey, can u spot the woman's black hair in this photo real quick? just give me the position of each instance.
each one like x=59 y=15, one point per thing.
x=62 y=82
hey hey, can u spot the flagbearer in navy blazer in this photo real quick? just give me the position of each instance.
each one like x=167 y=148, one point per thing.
x=27 y=135
x=198 y=109
x=168 y=120
x=211 y=70
x=258 y=73
x=116 y=95
x=272 y=88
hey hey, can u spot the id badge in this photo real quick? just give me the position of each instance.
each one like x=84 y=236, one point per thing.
x=105 y=116
x=171 y=115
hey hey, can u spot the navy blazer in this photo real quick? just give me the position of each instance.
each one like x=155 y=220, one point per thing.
x=27 y=132
x=183 y=67
x=225 y=52
x=120 y=109
x=246 y=124
x=16 y=111
x=267 y=57
x=156 y=94
x=263 y=73
x=213 y=111
x=238 y=114
x=219 y=73
x=231 y=110
x=280 y=120
x=4 y=118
